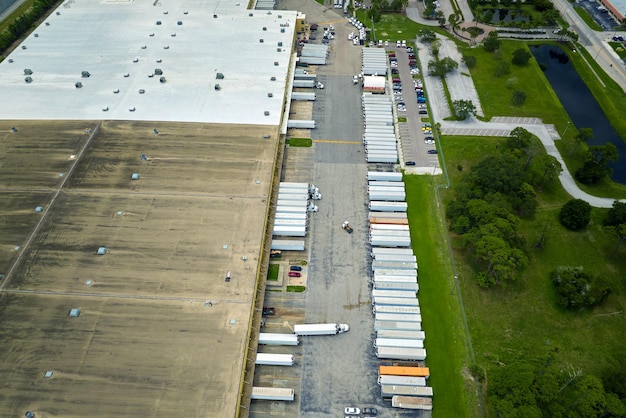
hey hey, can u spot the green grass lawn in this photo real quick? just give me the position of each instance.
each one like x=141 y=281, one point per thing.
x=542 y=102
x=446 y=343
x=299 y=142
x=619 y=49
x=272 y=272
x=586 y=17
x=522 y=320
x=296 y=289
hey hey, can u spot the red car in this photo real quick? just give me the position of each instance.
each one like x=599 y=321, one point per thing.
x=294 y=274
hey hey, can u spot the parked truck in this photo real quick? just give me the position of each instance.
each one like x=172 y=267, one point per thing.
x=377 y=301
x=391 y=251
x=401 y=380
x=387 y=196
x=388 y=391
x=388 y=227
x=383 y=206
x=311 y=188
x=272 y=394
x=287 y=245
x=413 y=310
x=399 y=258
x=380 y=183
x=406 y=335
x=383 y=316
x=412 y=402
x=289 y=231
x=395 y=272
x=398 y=342
x=390 y=242
x=394 y=285
x=384 y=176
x=274 y=359
x=405 y=326
x=278 y=339
x=401 y=353
x=393 y=293
x=290 y=222
x=302 y=216
x=320 y=329
x=383 y=220
x=393 y=265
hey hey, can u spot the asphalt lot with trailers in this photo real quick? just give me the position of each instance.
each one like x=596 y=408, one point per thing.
x=341 y=370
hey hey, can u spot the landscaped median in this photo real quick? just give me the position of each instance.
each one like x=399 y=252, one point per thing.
x=446 y=342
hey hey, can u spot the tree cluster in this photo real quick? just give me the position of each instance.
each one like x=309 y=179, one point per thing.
x=616 y=221
x=442 y=67
x=463 y=109
x=525 y=390
x=576 y=289
x=25 y=22
x=493 y=196
x=598 y=164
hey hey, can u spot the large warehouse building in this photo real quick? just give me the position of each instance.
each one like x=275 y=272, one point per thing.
x=138 y=155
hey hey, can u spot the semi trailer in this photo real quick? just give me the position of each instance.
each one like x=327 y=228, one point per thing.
x=320 y=329
x=278 y=339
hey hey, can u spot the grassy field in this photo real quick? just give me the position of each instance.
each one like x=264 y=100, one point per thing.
x=523 y=320
x=448 y=350
x=299 y=142
x=618 y=47
x=542 y=102
x=272 y=272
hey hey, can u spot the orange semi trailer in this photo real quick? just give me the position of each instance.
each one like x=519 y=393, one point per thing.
x=404 y=371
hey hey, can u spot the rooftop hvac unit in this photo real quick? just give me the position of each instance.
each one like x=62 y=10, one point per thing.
x=102 y=250
x=179 y=23
x=270 y=94
x=28 y=79
x=162 y=80
x=272 y=78
x=134 y=176
x=141 y=91
x=78 y=85
x=214 y=16
x=158 y=71
x=158 y=22
x=85 y=74
x=264 y=28
x=266 y=113
x=28 y=71
x=217 y=87
x=261 y=40
x=219 y=76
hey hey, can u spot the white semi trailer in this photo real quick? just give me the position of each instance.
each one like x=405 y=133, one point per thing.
x=398 y=342
x=401 y=380
x=396 y=353
x=406 y=326
x=406 y=335
x=413 y=310
x=388 y=391
x=266 y=338
x=320 y=329
x=393 y=317
x=270 y=359
x=272 y=394
x=377 y=301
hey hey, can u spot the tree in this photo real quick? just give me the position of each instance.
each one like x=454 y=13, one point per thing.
x=551 y=16
x=469 y=60
x=545 y=169
x=521 y=56
x=519 y=97
x=426 y=35
x=598 y=164
x=442 y=67
x=577 y=289
x=463 y=108
x=616 y=215
x=502 y=69
x=491 y=43
x=435 y=46
x=575 y=214
x=590 y=173
x=583 y=135
x=620 y=232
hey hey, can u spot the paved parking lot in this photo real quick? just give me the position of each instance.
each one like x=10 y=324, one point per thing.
x=336 y=371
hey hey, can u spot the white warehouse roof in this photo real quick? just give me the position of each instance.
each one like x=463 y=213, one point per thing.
x=120 y=43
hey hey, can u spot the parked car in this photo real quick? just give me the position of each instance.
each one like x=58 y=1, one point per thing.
x=410 y=163
x=428 y=138
x=313 y=26
x=268 y=311
x=294 y=274
x=295 y=268
x=371 y=411
x=432 y=151
x=351 y=410
x=423 y=112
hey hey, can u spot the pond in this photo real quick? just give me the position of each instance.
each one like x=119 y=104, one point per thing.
x=579 y=103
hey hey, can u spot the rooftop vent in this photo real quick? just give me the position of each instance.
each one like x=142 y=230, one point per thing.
x=173 y=34
x=179 y=23
x=78 y=85
x=134 y=176
x=23 y=46
x=214 y=16
x=105 y=109
x=136 y=60
x=143 y=46
x=47 y=23
x=152 y=34
x=162 y=79
x=126 y=75
x=165 y=12
x=158 y=22
x=279 y=49
x=36 y=35
x=102 y=250
x=159 y=60
x=185 y=12
x=266 y=113
x=74 y=313
x=276 y=63
x=264 y=28
x=270 y=94
x=116 y=91
x=166 y=47
x=132 y=109
x=219 y=76
x=217 y=87
x=28 y=71
x=39 y=209
x=250 y=14
x=272 y=78
x=58 y=13
x=280 y=43
x=141 y=91
x=261 y=40
x=158 y=71
x=85 y=74
x=282 y=30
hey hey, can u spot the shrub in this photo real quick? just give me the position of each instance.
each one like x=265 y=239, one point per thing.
x=576 y=289
x=575 y=214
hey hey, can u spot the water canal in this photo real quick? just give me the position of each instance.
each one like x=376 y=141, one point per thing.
x=579 y=103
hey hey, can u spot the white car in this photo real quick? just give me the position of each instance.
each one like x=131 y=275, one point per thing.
x=351 y=410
